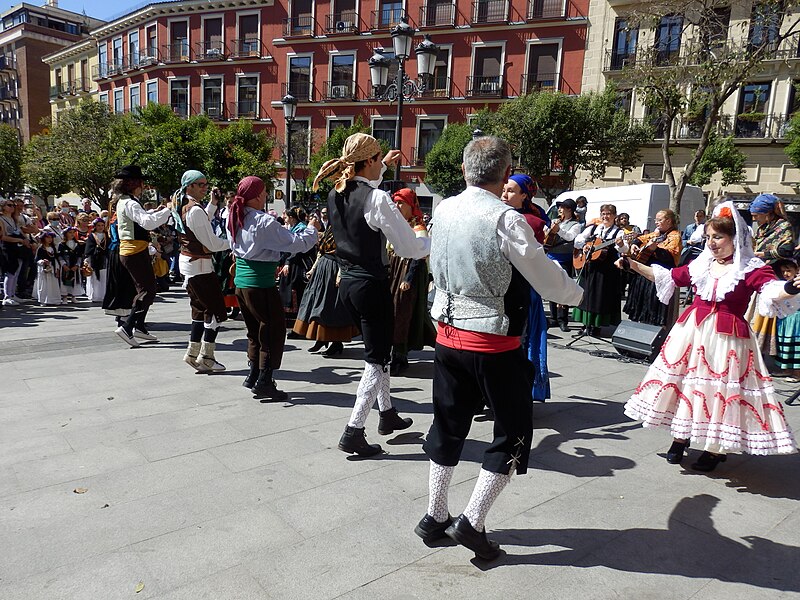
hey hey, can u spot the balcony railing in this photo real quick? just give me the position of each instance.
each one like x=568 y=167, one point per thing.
x=548 y=9
x=8 y=62
x=437 y=14
x=247 y=48
x=485 y=86
x=342 y=22
x=437 y=87
x=340 y=90
x=490 y=11
x=418 y=155
x=616 y=61
x=211 y=50
x=386 y=18
x=70 y=88
x=177 y=52
x=8 y=94
x=540 y=82
x=301 y=90
x=213 y=110
x=298 y=26
x=180 y=108
x=244 y=109
x=148 y=58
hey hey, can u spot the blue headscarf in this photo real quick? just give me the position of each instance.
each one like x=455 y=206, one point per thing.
x=764 y=204
x=528 y=187
x=187 y=179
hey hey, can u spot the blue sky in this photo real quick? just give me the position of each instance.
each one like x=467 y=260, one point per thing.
x=100 y=9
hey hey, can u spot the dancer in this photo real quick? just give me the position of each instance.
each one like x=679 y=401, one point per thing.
x=95 y=255
x=120 y=289
x=134 y=224
x=257 y=241
x=197 y=242
x=477 y=243
x=709 y=384
x=48 y=292
x=363 y=219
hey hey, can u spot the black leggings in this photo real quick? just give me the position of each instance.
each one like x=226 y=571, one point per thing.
x=369 y=302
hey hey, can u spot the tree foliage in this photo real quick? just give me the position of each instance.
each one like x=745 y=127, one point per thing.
x=721 y=156
x=718 y=54
x=793 y=135
x=10 y=160
x=235 y=152
x=43 y=167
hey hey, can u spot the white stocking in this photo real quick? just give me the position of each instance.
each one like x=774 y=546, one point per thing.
x=365 y=395
x=384 y=391
x=487 y=489
x=438 y=484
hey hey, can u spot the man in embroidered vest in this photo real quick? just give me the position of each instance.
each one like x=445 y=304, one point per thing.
x=478 y=244
x=197 y=242
x=364 y=218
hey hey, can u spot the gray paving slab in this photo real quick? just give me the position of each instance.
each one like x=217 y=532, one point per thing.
x=196 y=490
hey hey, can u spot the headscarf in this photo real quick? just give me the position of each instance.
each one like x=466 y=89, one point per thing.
x=744 y=258
x=357 y=147
x=249 y=188
x=764 y=204
x=409 y=197
x=528 y=187
x=187 y=179
x=98 y=220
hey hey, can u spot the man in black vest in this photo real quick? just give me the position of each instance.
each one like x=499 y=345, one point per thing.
x=364 y=218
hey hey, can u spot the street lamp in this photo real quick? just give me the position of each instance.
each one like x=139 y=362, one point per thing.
x=402 y=88
x=289 y=112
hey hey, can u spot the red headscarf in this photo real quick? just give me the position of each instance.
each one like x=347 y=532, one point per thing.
x=408 y=196
x=248 y=189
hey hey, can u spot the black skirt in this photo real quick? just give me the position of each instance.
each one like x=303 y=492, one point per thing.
x=320 y=302
x=120 y=289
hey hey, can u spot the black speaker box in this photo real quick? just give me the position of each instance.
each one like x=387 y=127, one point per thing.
x=638 y=339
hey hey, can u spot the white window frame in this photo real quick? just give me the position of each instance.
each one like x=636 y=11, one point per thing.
x=170 y=81
x=421 y=118
x=449 y=48
x=102 y=97
x=121 y=92
x=247 y=13
x=492 y=44
x=331 y=54
x=330 y=118
x=131 y=60
x=393 y=118
x=135 y=86
x=289 y=57
x=174 y=20
x=147 y=91
x=145 y=27
x=542 y=42
x=213 y=16
x=221 y=77
x=258 y=92
x=306 y=120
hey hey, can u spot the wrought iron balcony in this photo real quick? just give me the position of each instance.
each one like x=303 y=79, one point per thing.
x=437 y=14
x=149 y=57
x=177 y=52
x=485 y=86
x=180 y=108
x=490 y=11
x=340 y=90
x=301 y=90
x=540 y=82
x=298 y=26
x=8 y=62
x=342 y=22
x=437 y=87
x=211 y=50
x=386 y=18
x=244 y=109
x=548 y=9
x=213 y=110
x=247 y=48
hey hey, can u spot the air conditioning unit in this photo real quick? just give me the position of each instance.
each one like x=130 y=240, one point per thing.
x=344 y=25
x=490 y=87
x=145 y=61
x=340 y=91
x=212 y=111
x=213 y=52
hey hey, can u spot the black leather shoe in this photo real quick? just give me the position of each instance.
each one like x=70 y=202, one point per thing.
x=430 y=530
x=354 y=441
x=391 y=422
x=318 y=346
x=563 y=326
x=334 y=349
x=708 y=462
x=251 y=379
x=265 y=388
x=397 y=367
x=464 y=533
x=676 y=451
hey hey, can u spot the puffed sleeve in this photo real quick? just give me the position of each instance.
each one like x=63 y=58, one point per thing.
x=771 y=300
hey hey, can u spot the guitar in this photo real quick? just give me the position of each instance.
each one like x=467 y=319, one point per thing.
x=552 y=236
x=644 y=253
x=594 y=249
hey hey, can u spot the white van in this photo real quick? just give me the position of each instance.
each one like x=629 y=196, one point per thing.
x=641 y=202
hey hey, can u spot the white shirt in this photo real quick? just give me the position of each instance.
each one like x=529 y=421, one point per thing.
x=197 y=220
x=262 y=238
x=599 y=231
x=134 y=211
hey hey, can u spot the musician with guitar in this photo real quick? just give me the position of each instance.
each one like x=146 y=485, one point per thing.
x=559 y=244
x=661 y=247
x=596 y=251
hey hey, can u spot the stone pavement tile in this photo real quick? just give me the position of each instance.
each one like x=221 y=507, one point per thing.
x=140 y=403
x=330 y=465
x=731 y=590
x=32 y=448
x=260 y=486
x=48 y=505
x=230 y=584
x=265 y=450
x=9 y=484
x=112 y=575
x=184 y=441
x=22 y=406
x=181 y=557
x=50 y=423
x=75 y=465
x=264 y=419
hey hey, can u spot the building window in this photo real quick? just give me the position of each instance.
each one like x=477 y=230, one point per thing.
x=302 y=21
x=152 y=44
x=213 y=46
x=624 y=50
x=179 y=96
x=247 y=97
x=765 y=24
x=119 y=101
x=339 y=123
x=133 y=48
x=751 y=118
x=103 y=98
x=59 y=80
x=653 y=172
x=300 y=77
x=430 y=130
x=116 y=53
x=212 y=97
x=152 y=92
x=249 y=39
x=384 y=129
x=542 y=72
x=83 y=84
x=342 y=74
x=439 y=83
x=179 y=41
x=134 y=97
x=624 y=101
x=487 y=79
x=343 y=18
x=389 y=14
x=668 y=39
x=301 y=141
x=71 y=75
x=102 y=60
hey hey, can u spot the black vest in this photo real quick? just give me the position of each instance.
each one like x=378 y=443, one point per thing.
x=360 y=250
x=517 y=303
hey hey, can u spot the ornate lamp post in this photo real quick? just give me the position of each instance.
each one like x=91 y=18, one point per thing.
x=289 y=112
x=402 y=88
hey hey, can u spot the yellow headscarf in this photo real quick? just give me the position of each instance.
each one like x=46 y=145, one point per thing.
x=357 y=147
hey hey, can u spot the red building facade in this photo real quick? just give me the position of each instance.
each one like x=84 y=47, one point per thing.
x=238 y=58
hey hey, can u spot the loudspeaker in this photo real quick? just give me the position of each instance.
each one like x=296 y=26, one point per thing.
x=638 y=339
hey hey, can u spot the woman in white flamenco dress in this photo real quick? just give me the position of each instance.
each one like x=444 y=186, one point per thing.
x=709 y=384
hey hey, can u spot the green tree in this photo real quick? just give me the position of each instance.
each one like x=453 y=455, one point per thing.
x=10 y=160
x=236 y=151
x=330 y=149
x=554 y=135
x=721 y=156
x=793 y=135
x=43 y=167
x=443 y=161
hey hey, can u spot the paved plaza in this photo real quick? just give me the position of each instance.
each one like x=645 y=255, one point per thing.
x=125 y=475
